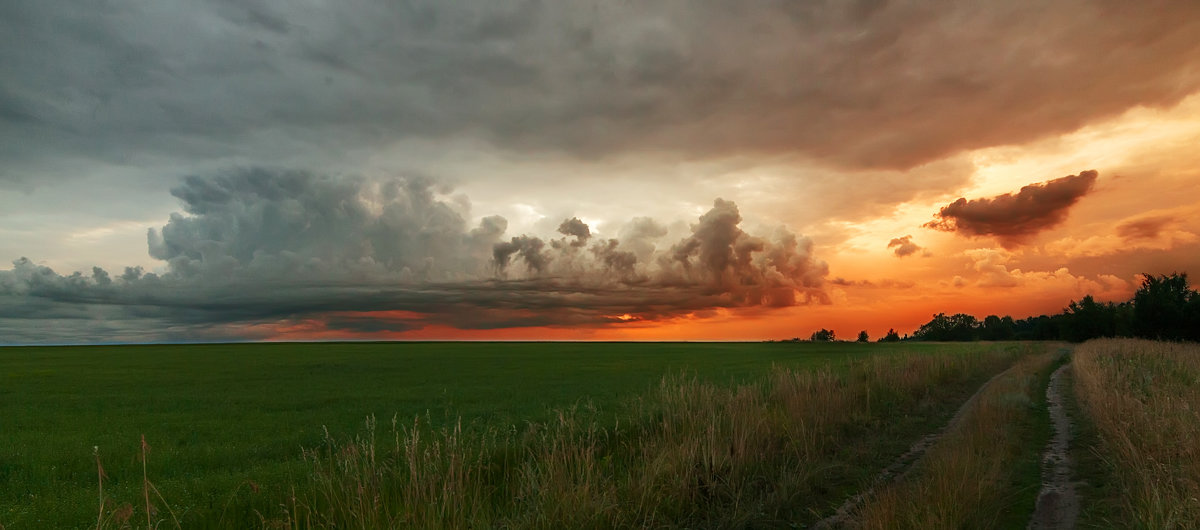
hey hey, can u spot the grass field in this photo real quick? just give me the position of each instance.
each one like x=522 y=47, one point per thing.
x=778 y=451
x=590 y=435
x=985 y=472
x=1141 y=405
x=216 y=416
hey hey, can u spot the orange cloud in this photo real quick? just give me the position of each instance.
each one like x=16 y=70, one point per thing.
x=1155 y=230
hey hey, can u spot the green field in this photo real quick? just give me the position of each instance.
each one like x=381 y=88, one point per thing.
x=216 y=415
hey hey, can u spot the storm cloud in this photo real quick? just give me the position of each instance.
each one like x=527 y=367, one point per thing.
x=867 y=84
x=1013 y=218
x=258 y=247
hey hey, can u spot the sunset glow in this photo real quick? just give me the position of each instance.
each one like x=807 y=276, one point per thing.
x=586 y=171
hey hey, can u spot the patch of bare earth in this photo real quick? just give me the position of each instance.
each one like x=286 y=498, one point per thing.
x=1058 y=502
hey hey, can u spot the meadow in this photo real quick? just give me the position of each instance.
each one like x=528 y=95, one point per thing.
x=1140 y=404
x=600 y=435
x=227 y=425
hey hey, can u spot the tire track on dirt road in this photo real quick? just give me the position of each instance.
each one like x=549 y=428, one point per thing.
x=1058 y=503
x=901 y=465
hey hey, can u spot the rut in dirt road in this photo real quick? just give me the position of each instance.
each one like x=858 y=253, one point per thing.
x=1058 y=503
x=900 y=466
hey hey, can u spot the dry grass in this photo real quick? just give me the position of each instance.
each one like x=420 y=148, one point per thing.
x=688 y=454
x=1144 y=398
x=120 y=516
x=967 y=478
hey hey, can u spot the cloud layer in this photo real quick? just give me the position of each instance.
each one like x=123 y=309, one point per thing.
x=1013 y=218
x=266 y=247
x=842 y=82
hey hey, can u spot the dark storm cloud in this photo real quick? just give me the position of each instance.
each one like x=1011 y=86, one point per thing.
x=527 y=248
x=271 y=222
x=855 y=84
x=904 y=246
x=1012 y=218
x=259 y=247
x=577 y=229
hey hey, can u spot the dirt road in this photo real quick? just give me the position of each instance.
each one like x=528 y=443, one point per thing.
x=1058 y=503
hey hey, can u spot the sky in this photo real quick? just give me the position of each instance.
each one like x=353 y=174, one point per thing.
x=225 y=170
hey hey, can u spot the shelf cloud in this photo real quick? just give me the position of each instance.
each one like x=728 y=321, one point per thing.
x=259 y=245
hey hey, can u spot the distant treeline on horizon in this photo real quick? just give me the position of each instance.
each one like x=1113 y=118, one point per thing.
x=1163 y=308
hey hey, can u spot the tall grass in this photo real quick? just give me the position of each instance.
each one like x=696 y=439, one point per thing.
x=687 y=454
x=1144 y=398
x=967 y=479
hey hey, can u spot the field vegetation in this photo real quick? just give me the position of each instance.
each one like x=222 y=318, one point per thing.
x=237 y=433
x=779 y=451
x=984 y=472
x=1142 y=398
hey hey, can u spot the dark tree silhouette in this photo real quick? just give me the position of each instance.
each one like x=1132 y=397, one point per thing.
x=891 y=336
x=1088 y=319
x=997 y=328
x=823 y=335
x=957 y=327
x=1165 y=308
x=862 y=336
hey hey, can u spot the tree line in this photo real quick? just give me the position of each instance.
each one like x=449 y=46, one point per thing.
x=1163 y=308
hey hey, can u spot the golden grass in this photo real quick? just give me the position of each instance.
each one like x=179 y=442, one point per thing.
x=689 y=454
x=1144 y=398
x=965 y=479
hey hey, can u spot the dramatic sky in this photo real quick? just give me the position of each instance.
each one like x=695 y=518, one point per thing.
x=504 y=169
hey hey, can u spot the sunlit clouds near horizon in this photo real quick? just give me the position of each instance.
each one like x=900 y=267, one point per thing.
x=213 y=170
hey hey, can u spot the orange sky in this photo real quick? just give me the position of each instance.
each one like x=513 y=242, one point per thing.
x=1148 y=168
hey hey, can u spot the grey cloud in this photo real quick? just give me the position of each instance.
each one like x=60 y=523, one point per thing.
x=639 y=235
x=1013 y=218
x=528 y=248
x=750 y=269
x=577 y=229
x=256 y=248
x=718 y=260
x=300 y=223
x=853 y=84
x=622 y=262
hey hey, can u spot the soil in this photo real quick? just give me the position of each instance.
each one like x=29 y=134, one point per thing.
x=1058 y=502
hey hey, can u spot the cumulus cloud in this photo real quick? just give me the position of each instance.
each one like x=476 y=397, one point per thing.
x=994 y=270
x=261 y=246
x=640 y=234
x=575 y=228
x=1013 y=218
x=904 y=246
x=1149 y=231
x=841 y=83
x=992 y=266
